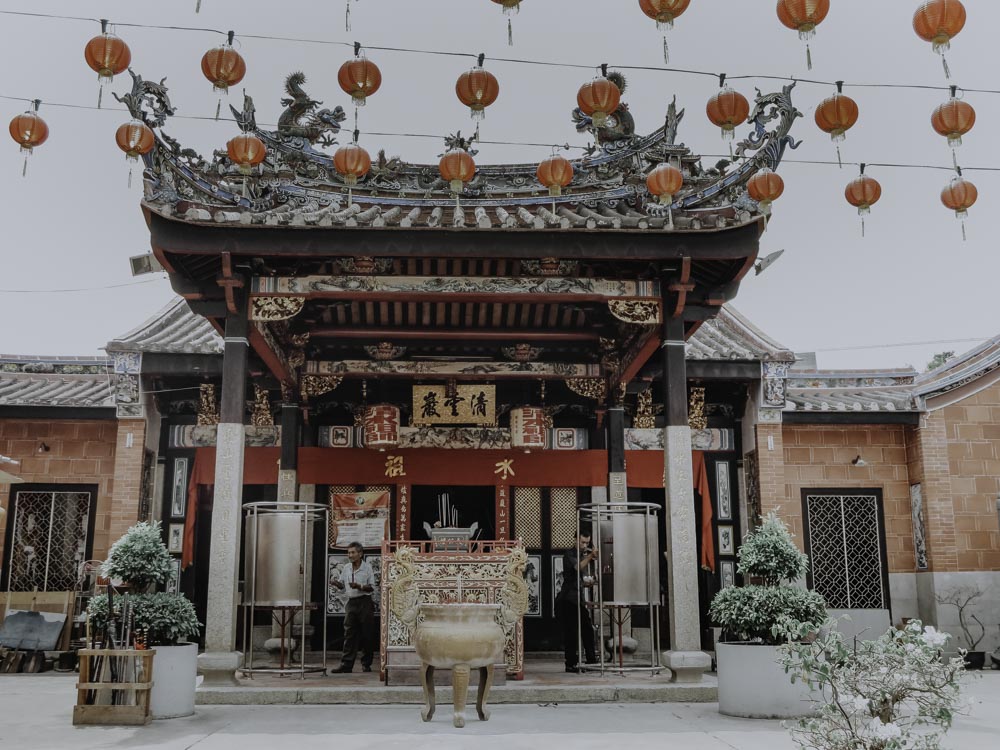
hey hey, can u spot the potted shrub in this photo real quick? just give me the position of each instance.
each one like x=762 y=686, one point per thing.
x=752 y=682
x=140 y=560
x=963 y=599
x=890 y=693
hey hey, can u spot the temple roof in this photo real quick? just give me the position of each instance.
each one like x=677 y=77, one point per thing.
x=730 y=336
x=55 y=381
x=172 y=330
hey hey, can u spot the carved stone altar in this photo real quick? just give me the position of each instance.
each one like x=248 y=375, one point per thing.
x=458 y=635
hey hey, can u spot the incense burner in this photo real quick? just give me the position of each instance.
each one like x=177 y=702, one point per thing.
x=459 y=636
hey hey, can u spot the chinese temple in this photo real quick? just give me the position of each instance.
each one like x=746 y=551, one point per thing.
x=485 y=346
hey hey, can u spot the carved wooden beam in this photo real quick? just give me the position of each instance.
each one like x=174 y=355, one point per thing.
x=456 y=370
x=266 y=346
x=229 y=281
x=680 y=288
x=468 y=334
x=456 y=289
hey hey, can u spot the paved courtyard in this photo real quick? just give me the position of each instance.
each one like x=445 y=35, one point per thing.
x=36 y=713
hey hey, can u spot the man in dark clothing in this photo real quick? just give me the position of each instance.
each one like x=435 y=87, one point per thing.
x=569 y=606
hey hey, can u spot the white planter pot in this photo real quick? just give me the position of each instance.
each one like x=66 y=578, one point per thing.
x=175 y=672
x=753 y=684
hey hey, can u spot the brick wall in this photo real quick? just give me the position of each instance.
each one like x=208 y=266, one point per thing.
x=130 y=442
x=971 y=430
x=80 y=452
x=927 y=462
x=820 y=456
x=771 y=468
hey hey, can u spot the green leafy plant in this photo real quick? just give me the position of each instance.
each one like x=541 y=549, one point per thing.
x=140 y=558
x=892 y=693
x=749 y=613
x=165 y=619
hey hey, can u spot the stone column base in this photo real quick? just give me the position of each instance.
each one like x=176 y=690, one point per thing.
x=219 y=667
x=686 y=666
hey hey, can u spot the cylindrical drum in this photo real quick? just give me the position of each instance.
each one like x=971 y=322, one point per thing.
x=275 y=558
x=635 y=577
x=527 y=427
x=381 y=426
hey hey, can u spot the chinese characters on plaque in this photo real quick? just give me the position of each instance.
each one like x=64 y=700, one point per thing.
x=460 y=404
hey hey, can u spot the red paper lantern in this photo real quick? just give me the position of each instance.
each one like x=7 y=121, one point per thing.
x=837 y=114
x=960 y=195
x=664 y=182
x=29 y=130
x=938 y=22
x=598 y=99
x=135 y=138
x=246 y=151
x=477 y=89
x=457 y=168
x=863 y=192
x=352 y=162
x=664 y=12
x=953 y=119
x=107 y=55
x=555 y=173
x=359 y=77
x=765 y=187
x=527 y=428
x=727 y=109
x=803 y=16
x=381 y=426
x=223 y=66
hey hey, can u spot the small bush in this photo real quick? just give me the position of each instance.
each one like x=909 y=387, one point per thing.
x=140 y=558
x=165 y=618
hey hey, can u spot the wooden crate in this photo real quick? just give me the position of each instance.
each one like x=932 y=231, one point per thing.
x=134 y=714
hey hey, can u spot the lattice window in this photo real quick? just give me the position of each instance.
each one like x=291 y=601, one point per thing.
x=528 y=516
x=563 y=503
x=49 y=541
x=846 y=549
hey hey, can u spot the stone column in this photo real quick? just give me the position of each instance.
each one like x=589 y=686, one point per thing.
x=221 y=660
x=685 y=658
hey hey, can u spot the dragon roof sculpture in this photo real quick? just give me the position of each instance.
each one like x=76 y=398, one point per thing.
x=297 y=184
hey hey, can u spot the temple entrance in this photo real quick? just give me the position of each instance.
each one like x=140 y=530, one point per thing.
x=453 y=506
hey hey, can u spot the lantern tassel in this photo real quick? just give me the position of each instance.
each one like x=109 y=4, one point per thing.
x=24 y=169
x=197 y=7
x=862 y=227
x=244 y=187
x=218 y=108
x=670 y=216
x=840 y=162
x=944 y=62
x=954 y=159
x=347 y=16
x=100 y=95
x=809 y=57
x=510 y=34
x=964 y=238
x=130 y=178
x=666 y=51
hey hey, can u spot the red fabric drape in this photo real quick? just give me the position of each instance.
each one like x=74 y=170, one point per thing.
x=190 y=517
x=700 y=476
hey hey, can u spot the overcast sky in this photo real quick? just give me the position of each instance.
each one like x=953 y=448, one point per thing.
x=73 y=222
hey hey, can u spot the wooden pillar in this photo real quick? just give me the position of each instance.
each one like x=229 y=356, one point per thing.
x=617 y=482
x=685 y=659
x=288 y=468
x=220 y=660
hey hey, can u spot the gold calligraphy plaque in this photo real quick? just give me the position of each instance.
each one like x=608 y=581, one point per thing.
x=463 y=404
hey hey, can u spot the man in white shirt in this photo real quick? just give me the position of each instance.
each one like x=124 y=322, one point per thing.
x=358 y=579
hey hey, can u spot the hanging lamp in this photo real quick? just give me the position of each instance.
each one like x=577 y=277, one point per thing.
x=509 y=8
x=863 y=192
x=727 y=109
x=107 y=55
x=555 y=173
x=664 y=182
x=223 y=66
x=599 y=98
x=246 y=151
x=836 y=115
x=803 y=16
x=937 y=22
x=664 y=12
x=477 y=89
x=29 y=130
x=953 y=119
x=135 y=139
x=359 y=77
x=959 y=195
x=352 y=163
x=456 y=168
x=765 y=187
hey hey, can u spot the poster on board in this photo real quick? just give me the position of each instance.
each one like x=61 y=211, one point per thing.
x=359 y=517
